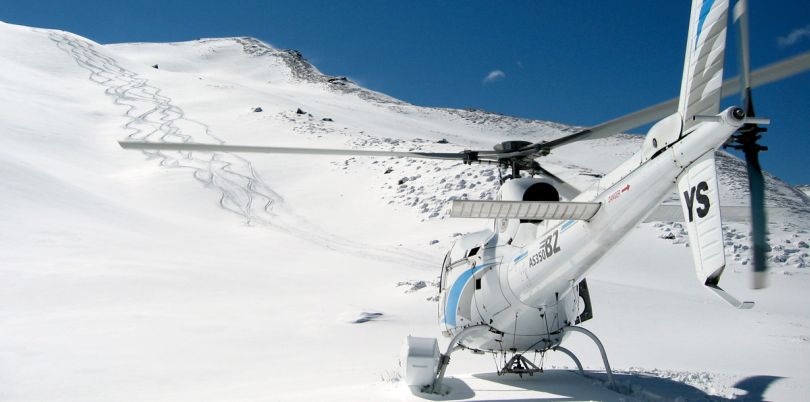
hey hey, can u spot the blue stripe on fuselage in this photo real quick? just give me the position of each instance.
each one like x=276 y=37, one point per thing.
x=455 y=293
x=567 y=225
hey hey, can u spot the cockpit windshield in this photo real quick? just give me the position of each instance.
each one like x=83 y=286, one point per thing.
x=445 y=268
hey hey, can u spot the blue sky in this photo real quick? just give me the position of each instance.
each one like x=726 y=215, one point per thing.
x=573 y=62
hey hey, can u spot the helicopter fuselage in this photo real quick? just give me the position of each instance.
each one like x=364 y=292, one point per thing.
x=522 y=278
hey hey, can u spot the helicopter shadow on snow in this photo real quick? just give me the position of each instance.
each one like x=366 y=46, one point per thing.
x=565 y=385
x=647 y=387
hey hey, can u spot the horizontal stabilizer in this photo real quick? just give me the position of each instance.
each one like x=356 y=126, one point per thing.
x=674 y=213
x=529 y=210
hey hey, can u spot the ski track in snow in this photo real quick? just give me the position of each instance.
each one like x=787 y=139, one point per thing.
x=153 y=117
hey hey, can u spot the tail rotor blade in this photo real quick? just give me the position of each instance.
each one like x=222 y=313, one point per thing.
x=756 y=187
x=741 y=20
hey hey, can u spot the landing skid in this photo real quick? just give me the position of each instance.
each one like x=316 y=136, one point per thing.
x=571 y=355
x=444 y=360
x=520 y=365
x=589 y=334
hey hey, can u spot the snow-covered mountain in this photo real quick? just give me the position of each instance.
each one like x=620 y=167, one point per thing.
x=192 y=276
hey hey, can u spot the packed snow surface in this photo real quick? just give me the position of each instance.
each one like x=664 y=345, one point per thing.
x=148 y=276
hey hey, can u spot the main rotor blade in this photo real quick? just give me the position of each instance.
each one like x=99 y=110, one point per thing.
x=771 y=73
x=618 y=125
x=184 y=146
x=766 y=75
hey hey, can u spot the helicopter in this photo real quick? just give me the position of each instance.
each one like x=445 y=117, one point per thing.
x=521 y=286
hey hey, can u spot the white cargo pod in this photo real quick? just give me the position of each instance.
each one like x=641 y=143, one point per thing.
x=420 y=357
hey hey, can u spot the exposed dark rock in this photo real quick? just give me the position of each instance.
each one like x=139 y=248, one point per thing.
x=366 y=317
x=338 y=80
x=294 y=53
x=155 y=66
x=299 y=111
x=413 y=285
x=258 y=109
x=442 y=141
x=327 y=119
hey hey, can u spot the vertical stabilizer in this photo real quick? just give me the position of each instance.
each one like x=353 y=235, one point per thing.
x=703 y=63
x=700 y=201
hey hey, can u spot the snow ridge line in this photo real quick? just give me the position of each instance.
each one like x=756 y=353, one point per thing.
x=303 y=70
x=153 y=116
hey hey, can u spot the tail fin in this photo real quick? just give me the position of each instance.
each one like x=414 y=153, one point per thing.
x=700 y=201
x=703 y=63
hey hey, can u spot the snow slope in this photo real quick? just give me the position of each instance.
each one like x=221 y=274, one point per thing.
x=191 y=276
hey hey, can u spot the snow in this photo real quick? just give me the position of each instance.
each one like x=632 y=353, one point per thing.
x=191 y=276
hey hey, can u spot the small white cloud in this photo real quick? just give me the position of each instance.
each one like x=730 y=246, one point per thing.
x=494 y=75
x=795 y=36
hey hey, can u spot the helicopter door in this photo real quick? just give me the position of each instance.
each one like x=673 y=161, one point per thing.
x=488 y=295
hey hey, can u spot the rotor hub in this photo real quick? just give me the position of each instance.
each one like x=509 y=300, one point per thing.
x=511 y=146
x=738 y=113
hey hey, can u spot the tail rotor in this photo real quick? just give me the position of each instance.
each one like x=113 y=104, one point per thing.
x=746 y=140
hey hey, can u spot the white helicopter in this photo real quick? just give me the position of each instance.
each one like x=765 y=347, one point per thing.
x=521 y=286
